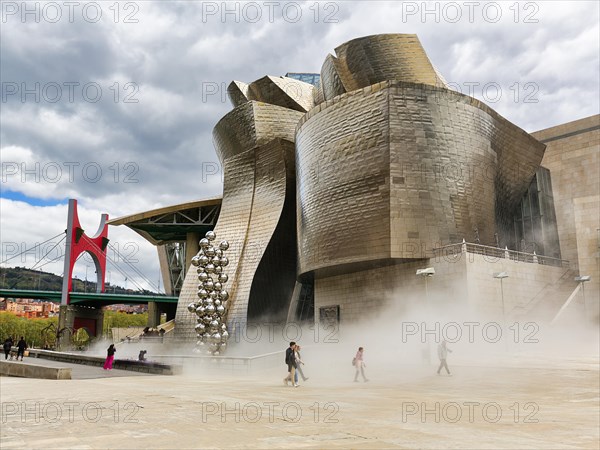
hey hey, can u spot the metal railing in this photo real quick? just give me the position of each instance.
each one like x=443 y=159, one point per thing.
x=498 y=253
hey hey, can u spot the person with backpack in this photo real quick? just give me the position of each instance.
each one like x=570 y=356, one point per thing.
x=290 y=360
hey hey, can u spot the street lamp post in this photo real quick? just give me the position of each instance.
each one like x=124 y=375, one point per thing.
x=582 y=279
x=500 y=276
x=426 y=273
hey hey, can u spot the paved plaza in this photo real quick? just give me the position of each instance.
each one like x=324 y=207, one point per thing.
x=548 y=404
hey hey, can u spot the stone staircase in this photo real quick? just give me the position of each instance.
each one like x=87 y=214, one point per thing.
x=548 y=301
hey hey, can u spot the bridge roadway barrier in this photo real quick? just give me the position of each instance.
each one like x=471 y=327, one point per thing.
x=227 y=364
x=152 y=367
x=24 y=370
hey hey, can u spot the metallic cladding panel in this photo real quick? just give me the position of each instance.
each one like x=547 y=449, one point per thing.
x=253 y=124
x=238 y=194
x=318 y=95
x=342 y=159
x=370 y=60
x=252 y=142
x=267 y=202
x=237 y=93
x=388 y=170
x=283 y=91
x=266 y=275
x=331 y=83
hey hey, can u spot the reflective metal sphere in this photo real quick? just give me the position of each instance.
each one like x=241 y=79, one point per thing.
x=217 y=337
x=218 y=252
x=217 y=286
x=192 y=307
x=207 y=319
x=210 y=268
x=214 y=324
x=214 y=295
x=204 y=243
x=196 y=261
x=200 y=310
x=210 y=251
x=217 y=302
x=224 y=261
x=223 y=278
x=202 y=276
x=204 y=260
x=200 y=328
x=218 y=270
x=224 y=245
x=224 y=335
x=216 y=261
x=210 y=235
x=203 y=293
x=224 y=296
x=210 y=309
x=220 y=309
x=209 y=285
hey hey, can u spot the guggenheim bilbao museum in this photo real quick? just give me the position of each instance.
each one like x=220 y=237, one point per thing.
x=340 y=188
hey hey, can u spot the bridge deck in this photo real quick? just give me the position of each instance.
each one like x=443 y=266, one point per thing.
x=98 y=298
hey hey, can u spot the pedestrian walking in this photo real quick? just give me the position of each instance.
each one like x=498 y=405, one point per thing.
x=299 y=364
x=7 y=346
x=21 y=347
x=110 y=357
x=359 y=363
x=290 y=360
x=443 y=354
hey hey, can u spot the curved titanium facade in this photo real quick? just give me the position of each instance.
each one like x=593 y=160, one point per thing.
x=390 y=164
x=255 y=143
x=395 y=168
x=370 y=60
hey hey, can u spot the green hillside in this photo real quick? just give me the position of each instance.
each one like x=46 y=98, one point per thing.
x=22 y=278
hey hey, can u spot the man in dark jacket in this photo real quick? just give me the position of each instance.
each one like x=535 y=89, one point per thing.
x=290 y=360
x=8 y=343
x=21 y=346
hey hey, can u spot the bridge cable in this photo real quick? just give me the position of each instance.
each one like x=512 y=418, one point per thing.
x=42 y=258
x=150 y=283
x=18 y=280
x=116 y=266
x=26 y=250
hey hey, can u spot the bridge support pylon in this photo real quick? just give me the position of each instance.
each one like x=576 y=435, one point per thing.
x=72 y=317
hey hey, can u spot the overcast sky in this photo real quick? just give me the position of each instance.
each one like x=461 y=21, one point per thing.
x=114 y=103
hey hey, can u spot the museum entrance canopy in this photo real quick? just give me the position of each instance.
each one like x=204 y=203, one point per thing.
x=173 y=223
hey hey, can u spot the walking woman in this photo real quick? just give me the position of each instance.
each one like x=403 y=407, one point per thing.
x=110 y=357
x=299 y=363
x=360 y=365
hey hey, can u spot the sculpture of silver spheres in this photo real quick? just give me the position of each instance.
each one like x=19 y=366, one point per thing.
x=211 y=305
